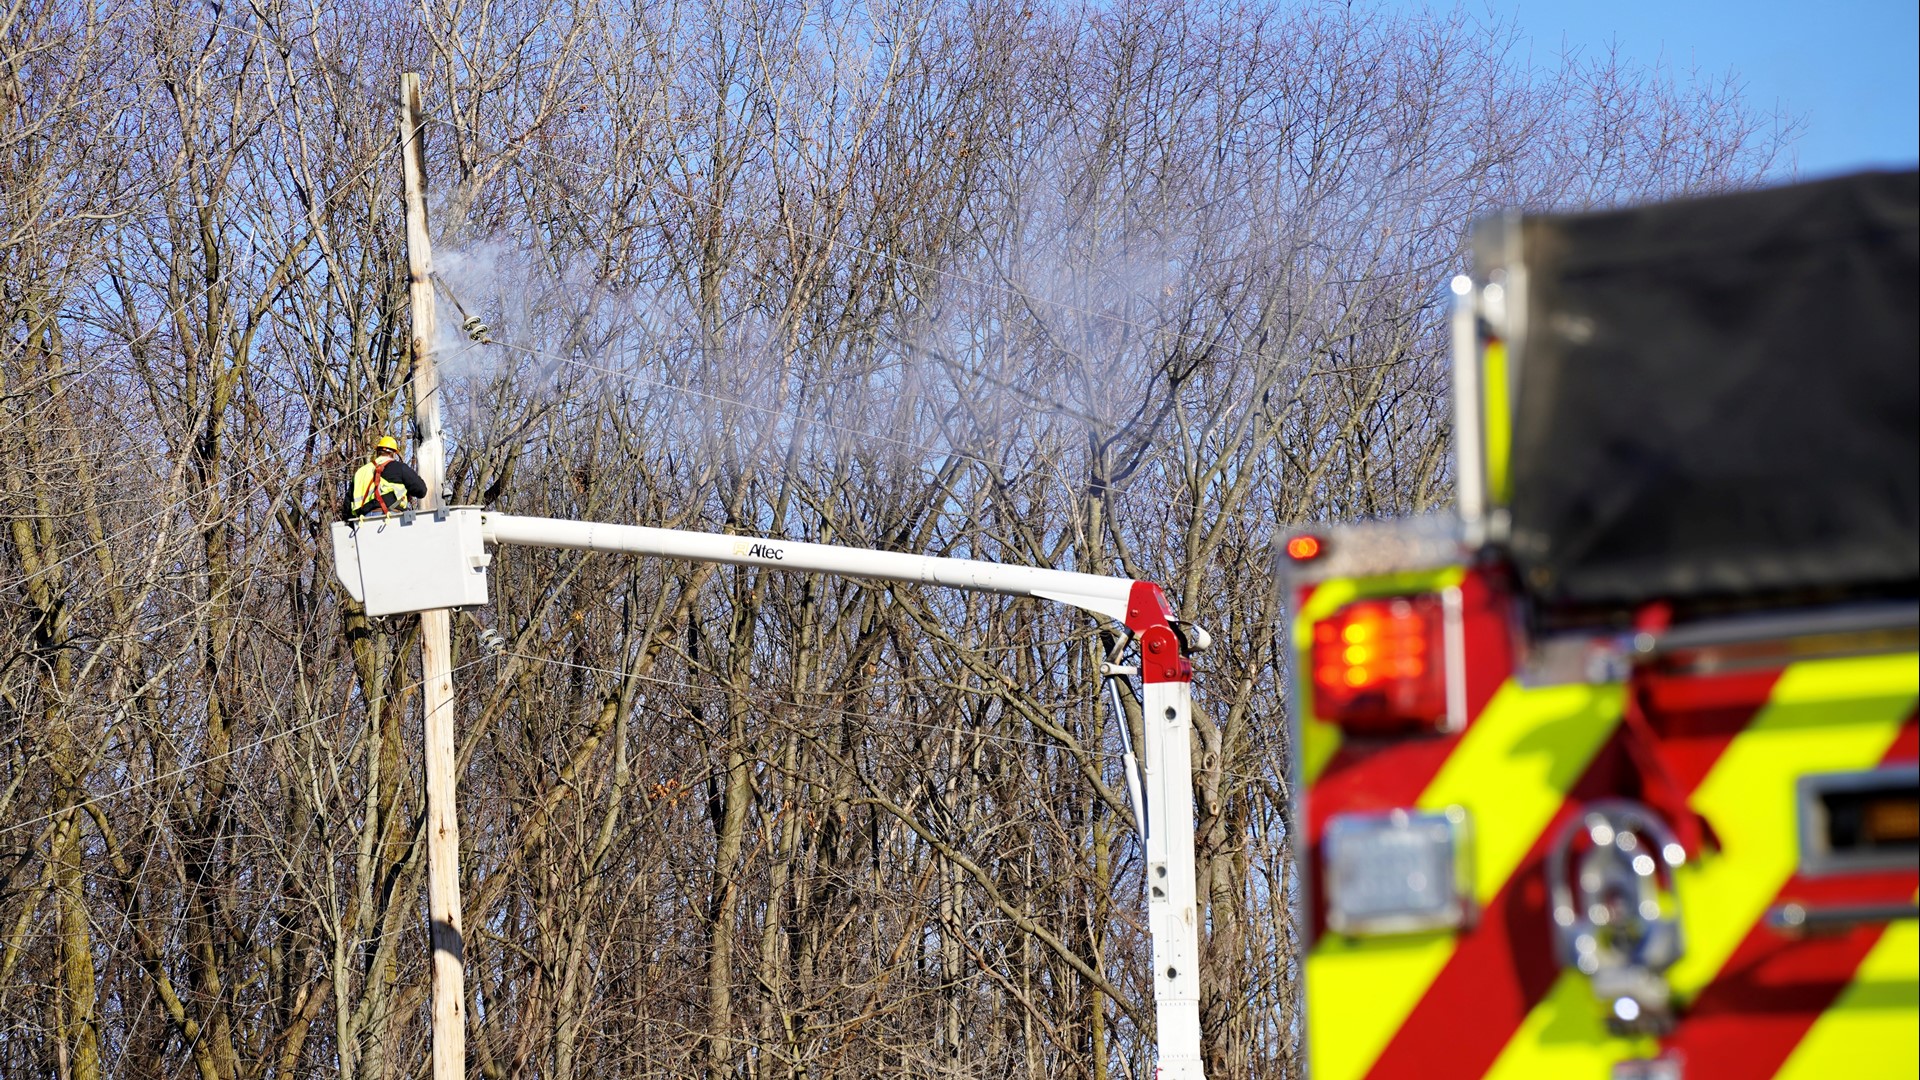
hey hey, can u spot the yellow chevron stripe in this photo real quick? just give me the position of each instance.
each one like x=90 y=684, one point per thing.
x=1319 y=739
x=1498 y=420
x=1360 y=992
x=1873 y=1030
x=1825 y=715
x=1512 y=770
x=1514 y=767
x=1566 y=1038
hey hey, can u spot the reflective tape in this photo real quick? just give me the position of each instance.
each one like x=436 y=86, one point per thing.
x=1873 y=1030
x=1514 y=769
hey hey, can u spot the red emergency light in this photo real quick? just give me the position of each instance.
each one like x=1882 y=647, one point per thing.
x=1379 y=664
x=1304 y=548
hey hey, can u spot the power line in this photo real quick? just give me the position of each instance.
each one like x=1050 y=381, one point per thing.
x=1203 y=344
x=233 y=268
x=1002 y=287
x=181 y=770
x=769 y=695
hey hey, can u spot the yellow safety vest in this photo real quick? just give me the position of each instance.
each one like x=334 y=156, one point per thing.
x=394 y=495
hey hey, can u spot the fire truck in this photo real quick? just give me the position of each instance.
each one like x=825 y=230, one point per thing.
x=1610 y=771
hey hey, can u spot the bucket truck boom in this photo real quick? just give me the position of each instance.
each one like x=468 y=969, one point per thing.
x=404 y=563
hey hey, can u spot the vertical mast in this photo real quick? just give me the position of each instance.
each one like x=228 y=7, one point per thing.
x=1173 y=902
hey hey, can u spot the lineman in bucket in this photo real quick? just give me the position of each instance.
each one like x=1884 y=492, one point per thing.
x=385 y=484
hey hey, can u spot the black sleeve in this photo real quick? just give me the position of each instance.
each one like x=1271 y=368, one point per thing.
x=402 y=473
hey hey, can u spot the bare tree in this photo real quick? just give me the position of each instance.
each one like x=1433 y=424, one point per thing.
x=1121 y=290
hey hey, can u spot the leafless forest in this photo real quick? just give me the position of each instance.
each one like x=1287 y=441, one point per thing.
x=1122 y=288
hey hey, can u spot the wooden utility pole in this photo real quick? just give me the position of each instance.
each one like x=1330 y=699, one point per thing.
x=436 y=645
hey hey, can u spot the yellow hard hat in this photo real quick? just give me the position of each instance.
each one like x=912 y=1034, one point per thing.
x=387 y=442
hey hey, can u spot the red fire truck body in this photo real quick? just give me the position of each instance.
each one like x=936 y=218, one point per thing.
x=1611 y=771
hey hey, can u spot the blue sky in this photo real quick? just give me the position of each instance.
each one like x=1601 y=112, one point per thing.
x=1849 y=68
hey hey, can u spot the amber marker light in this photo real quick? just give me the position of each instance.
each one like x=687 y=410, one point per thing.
x=1304 y=548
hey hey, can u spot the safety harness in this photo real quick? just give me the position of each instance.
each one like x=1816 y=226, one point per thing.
x=376 y=490
x=376 y=486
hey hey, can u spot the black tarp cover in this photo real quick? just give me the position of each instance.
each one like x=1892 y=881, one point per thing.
x=1719 y=398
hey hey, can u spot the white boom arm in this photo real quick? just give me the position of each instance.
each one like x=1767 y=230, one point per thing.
x=417 y=563
x=1103 y=595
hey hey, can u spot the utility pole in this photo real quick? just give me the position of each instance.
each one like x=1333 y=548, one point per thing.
x=436 y=644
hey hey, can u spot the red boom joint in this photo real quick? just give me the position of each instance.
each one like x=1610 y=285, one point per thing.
x=1150 y=618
